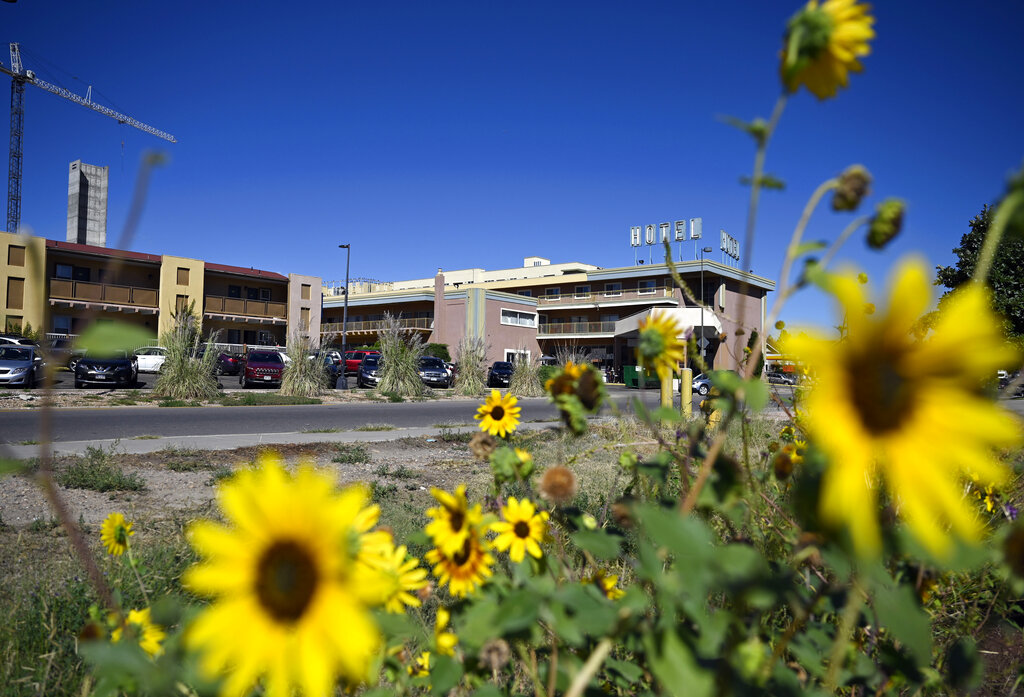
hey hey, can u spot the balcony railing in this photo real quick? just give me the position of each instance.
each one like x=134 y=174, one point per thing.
x=597 y=296
x=375 y=326
x=102 y=293
x=576 y=328
x=237 y=306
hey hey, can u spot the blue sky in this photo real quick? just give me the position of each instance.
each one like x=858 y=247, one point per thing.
x=463 y=134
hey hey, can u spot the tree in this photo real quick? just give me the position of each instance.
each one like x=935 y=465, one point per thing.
x=1005 y=278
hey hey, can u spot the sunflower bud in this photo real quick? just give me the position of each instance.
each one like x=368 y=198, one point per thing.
x=854 y=185
x=482 y=445
x=495 y=654
x=887 y=223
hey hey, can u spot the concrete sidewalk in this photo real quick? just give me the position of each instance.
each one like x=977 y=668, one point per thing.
x=229 y=441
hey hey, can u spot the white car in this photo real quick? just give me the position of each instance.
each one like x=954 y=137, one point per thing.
x=151 y=358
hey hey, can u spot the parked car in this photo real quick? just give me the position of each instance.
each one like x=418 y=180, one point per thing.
x=332 y=369
x=225 y=363
x=151 y=358
x=702 y=384
x=368 y=374
x=62 y=352
x=780 y=378
x=20 y=365
x=433 y=372
x=118 y=369
x=262 y=367
x=354 y=358
x=499 y=374
x=17 y=340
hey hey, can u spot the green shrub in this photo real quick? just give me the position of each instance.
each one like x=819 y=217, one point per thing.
x=185 y=375
x=438 y=351
x=303 y=376
x=400 y=351
x=525 y=380
x=471 y=378
x=351 y=454
x=98 y=470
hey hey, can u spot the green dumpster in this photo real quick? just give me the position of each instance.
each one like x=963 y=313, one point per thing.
x=631 y=377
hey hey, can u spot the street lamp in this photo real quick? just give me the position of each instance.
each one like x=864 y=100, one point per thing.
x=703 y=341
x=344 y=318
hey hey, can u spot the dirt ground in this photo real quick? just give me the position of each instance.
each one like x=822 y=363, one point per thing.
x=182 y=480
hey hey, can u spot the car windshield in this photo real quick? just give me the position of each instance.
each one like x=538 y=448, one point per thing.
x=265 y=357
x=10 y=353
x=430 y=362
x=371 y=361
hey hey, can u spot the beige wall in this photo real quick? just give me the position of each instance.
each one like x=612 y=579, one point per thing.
x=733 y=305
x=310 y=304
x=29 y=265
x=170 y=289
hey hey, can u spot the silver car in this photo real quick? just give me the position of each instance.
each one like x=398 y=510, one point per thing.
x=20 y=365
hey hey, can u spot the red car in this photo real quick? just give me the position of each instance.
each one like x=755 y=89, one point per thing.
x=354 y=358
x=262 y=368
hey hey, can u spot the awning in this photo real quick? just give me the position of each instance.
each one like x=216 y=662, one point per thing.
x=685 y=318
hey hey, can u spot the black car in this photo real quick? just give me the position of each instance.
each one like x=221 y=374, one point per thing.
x=368 y=374
x=434 y=373
x=499 y=374
x=119 y=369
x=331 y=367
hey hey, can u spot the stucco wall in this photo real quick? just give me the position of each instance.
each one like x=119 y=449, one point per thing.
x=296 y=304
x=170 y=290
x=735 y=306
x=32 y=270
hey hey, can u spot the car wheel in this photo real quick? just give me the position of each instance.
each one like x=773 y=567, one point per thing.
x=78 y=384
x=702 y=390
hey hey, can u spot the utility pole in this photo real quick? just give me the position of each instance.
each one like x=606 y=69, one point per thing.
x=344 y=319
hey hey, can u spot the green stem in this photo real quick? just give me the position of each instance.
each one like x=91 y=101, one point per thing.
x=995 y=235
x=135 y=569
x=755 y=184
x=579 y=683
x=841 y=240
x=847 y=623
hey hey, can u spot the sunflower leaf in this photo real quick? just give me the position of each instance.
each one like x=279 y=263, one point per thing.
x=8 y=466
x=107 y=338
x=444 y=674
x=899 y=612
x=600 y=544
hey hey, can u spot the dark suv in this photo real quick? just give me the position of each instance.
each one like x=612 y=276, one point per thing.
x=433 y=372
x=499 y=374
x=117 y=369
x=262 y=367
x=369 y=371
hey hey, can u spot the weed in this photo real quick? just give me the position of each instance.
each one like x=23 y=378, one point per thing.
x=351 y=454
x=218 y=474
x=400 y=351
x=380 y=493
x=178 y=403
x=450 y=435
x=399 y=472
x=98 y=470
x=525 y=380
x=185 y=374
x=303 y=376
x=123 y=401
x=393 y=397
x=146 y=437
x=29 y=442
x=320 y=430
x=471 y=380
x=376 y=427
x=40 y=525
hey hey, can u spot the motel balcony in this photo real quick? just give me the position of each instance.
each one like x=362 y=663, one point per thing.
x=552 y=330
x=241 y=310
x=102 y=296
x=625 y=296
x=374 y=326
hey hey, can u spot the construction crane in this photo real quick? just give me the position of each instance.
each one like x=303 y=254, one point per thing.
x=19 y=78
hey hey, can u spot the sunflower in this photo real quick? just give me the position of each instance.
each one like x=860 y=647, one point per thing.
x=499 y=415
x=420 y=667
x=114 y=534
x=400 y=575
x=887 y=406
x=453 y=520
x=822 y=44
x=465 y=570
x=148 y=634
x=565 y=381
x=522 y=530
x=659 y=346
x=283 y=575
x=607 y=583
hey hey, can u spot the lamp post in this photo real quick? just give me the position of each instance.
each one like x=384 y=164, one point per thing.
x=701 y=344
x=344 y=319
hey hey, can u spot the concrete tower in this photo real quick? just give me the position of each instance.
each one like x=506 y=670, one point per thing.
x=87 y=204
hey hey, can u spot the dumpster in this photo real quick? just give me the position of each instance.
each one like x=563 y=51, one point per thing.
x=631 y=377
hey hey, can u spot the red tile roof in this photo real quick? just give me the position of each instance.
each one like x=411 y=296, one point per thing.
x=242 y=271
x=102 y=251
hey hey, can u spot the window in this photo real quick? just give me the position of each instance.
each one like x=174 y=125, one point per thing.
x=265 y=294
x=61 y=324
x=14 y=324
x=15 y=293
x=15 y=255
x=180 y=303
x=234 y=292
x=234 y=336
x=304 y=319
x=553 y=293
x=582 y=291
x=62 y=271
x=182 y=276
x=80 y=273
x=306 y=291
x=513 y=356
x=526 y=293
x=645 y=287
x=612 y=290
x=252 y=294
x=519 y=319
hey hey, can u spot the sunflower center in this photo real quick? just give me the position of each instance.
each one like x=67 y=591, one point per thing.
x=462 y=556
x=882 y=394
x=457 y=519
x=286 y=578
x=498 y=412
x=521 y=529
